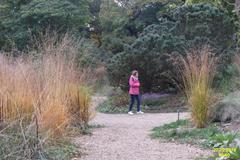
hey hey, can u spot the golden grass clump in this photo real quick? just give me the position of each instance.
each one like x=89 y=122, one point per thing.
x=79 y=102
x=197 y=71
x=16 y=95
x=46 y=87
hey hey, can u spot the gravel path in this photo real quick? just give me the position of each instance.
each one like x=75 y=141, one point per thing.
x=126 y=137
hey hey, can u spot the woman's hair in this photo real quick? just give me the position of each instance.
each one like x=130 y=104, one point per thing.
x=134 y=72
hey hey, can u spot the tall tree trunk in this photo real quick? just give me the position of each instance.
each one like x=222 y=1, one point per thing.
x=237 y=6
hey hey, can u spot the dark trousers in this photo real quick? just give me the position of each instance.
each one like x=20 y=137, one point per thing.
x=133 y=97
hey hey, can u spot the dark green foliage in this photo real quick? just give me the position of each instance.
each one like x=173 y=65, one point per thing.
x=89 y=55
x=185 y=27
x=112 y=43
x=143 y=16
x=22 y=18
x=58 y=13
x=113 y=20
x=95 y=24
x=228 y=5
x=112 y=17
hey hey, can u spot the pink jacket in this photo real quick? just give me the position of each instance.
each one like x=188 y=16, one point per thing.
x=134 y=85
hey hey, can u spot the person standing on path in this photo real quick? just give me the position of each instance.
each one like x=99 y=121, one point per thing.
x=134 y=92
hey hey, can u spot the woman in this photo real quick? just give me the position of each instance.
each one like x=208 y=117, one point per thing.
x=134 y=92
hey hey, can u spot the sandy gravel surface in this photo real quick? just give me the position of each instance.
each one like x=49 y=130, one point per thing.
x=126 y=137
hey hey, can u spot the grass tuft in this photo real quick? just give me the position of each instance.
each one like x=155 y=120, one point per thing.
x=42 y=95
x=197 y=70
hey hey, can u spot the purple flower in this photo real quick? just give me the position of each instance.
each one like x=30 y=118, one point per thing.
x=153 y=96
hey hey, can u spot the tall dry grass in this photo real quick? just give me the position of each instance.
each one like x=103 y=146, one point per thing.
x=197 y=70
x=46 y=88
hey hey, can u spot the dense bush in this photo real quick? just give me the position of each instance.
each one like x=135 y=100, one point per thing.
x=21 y=18
x=89 y=55
x=184 y=27
x=228 y=6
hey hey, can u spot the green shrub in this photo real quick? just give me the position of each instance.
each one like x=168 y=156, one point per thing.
x=20 y=19
x=183 y=132
x=185 y=27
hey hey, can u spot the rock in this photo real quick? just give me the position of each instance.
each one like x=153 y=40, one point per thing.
x=228 y=109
